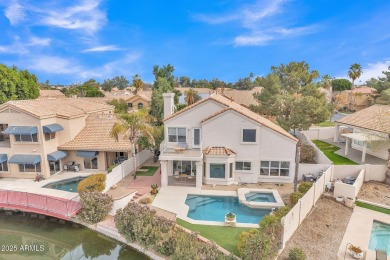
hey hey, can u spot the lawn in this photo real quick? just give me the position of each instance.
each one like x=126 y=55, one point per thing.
x=326 y=123
x=372 y=207
x=226 y=237
x=329 y=149
x=151 y=170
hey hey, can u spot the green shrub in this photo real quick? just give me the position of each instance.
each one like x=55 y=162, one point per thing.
x=308 y=154
x=282 y=211
x=259 y=246
x=96 y=182
x=95 y=206
x=109 y=169
x=304 y=187
x=244 y=236
x=296 y=253
x=294 y=197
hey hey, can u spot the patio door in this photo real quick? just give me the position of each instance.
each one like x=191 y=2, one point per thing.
x=54 y=167
x=196 y=137
x=90 y=163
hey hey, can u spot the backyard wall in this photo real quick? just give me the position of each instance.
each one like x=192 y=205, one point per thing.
x=347 y=190
x=320 y=157
x=372 y=172
x=304 y=206
x=122 y=170
x=320 y=133
x=305 y=168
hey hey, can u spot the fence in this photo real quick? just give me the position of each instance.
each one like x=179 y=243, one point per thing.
x=57 y=207
x=320 y=133
x=305 y=168
x=349 y=190
x=320 y=157
x=125 y=168
x=299 y=212
x=372 y=172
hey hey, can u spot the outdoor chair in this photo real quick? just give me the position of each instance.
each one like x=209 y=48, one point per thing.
x=380 y=254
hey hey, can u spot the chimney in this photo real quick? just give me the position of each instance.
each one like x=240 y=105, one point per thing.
x=169 y=104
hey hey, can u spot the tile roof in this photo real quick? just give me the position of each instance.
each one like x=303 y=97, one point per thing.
x=376 y=118
x=215 y=150
x=231 y=105
x=50 y=93
x=95 y=136
x=242 y=97
x=63 y=107
x=139 y=95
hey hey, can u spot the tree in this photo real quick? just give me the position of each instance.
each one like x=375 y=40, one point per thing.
x=354 y=72
x=158 y=137
x=326 y=82
x=119 y=82
x=291 y=98
x=341 y=84
x=164 y=72
x=133 y=126
x=120 y=106
x=17 y=84
x=184 y=82
x=157 y=102
x=381 y=83
x=192 y=96
x=137 y=83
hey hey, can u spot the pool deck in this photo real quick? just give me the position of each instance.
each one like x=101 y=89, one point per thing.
x=172 y=198
x=358 y=231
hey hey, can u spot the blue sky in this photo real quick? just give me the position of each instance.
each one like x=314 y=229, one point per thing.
x=72 y=41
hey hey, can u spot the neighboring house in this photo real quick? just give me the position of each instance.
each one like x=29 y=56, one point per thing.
x=41 y=136
x=217 y=141
x=371 y=127
x=243 y=97
x=50 y=93
x=358 y=98
x=138 y=101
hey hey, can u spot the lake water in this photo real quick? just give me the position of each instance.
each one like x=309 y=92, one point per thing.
x=23 y=237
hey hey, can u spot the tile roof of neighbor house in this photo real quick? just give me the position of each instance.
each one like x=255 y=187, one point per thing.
x=126 y=94
x=95 y=136
x=199 y=90
x=139 y=95
x=51 y=93
x=376 y=118
x=362 y=90
x=63 y=107
x=215 y=150
x=231 y=105
x=243 y=97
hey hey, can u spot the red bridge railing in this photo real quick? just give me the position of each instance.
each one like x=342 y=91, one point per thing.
x=43 y=204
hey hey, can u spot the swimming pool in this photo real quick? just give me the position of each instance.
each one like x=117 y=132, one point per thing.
x=66 y=185
x=214 y=208
x=380 y=237
x=260 y=197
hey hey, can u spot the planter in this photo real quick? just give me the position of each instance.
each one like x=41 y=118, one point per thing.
x=356 y=255
x=349 y=202
x=340 y=199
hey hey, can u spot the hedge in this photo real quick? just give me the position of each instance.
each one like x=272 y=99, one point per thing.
x=96 y=182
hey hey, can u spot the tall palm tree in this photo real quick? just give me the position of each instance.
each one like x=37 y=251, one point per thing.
x=137 y=83
x=132 y=126
x=354 y=72
x=191 y=96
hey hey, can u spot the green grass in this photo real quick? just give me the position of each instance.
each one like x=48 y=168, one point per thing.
x=226 y=237
x=372 y=207
x=326 y=123
x=151 y=171
x=329 y=149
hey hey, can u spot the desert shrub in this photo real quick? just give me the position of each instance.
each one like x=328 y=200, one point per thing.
x=296 y=253
x=259 y=246
x=147 y=200
x=95 y=206
x=294 y=197
x=282 y=211
x=96 y=182
x=308 y=154
x=304 y=187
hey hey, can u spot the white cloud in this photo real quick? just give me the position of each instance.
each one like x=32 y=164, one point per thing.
x=53 y=65
x=373 y=70
x=103 y=48
x=14 y=12
x=39 y=41
x=215 y=19
x=252 y=40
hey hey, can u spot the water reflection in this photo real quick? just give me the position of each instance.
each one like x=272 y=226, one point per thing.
x=22 y=237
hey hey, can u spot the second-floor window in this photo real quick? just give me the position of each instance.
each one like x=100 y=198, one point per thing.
x=26 y=138
x=50 y=136
x=249 y=135
x=243 y=166
x=177 y=134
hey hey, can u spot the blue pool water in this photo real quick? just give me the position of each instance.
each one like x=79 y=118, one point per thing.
x=66 y=185
x=380 y=237
x=214 y=208
x=260 y=197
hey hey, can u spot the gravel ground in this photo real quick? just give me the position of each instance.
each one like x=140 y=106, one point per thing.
x=321 y=233
x=375 y=192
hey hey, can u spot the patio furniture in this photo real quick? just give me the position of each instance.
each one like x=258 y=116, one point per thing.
x=181 y=147
x=120 y=160
x=72 y=166
x=380 y=254
x=183 y=178
x=190 y=178
x=329 y=186
x=349 y=180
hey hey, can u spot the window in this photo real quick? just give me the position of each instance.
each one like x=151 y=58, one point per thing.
x=249 y=135
x=90 y=163
x=274 y=168
x=176 y=134
x=217 y=171
x=4 y=166
x=140 y=105
x=231 y=170
x=30 y=167
x=184 y=167
x=50 y=136
x=3 y=137
x=243 y=166
x=130 y=105
x=26 y=138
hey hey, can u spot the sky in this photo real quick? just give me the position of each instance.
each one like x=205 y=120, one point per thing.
x=72 y=41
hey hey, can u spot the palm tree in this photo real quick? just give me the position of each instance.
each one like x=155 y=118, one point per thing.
x=137 y=83
x=132 y=126
x=191 y=96
x=354 y=72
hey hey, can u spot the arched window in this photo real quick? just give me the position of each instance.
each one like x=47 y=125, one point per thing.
x=140 y=105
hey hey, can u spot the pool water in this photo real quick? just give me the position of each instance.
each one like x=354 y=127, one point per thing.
x=214 y=208
x=66 y=185
x=260 y=197
x=380 y=237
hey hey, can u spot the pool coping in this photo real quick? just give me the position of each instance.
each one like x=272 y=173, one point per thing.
x=253 y=204
x=62 y=180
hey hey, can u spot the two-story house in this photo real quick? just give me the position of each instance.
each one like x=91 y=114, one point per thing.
x=41 y=136
x=217 y=141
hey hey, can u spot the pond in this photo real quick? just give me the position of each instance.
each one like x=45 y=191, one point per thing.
x=24 y=237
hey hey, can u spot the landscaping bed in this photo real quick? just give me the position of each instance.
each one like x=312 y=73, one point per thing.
x=329 y=151
x=376 y=192
x=148 y=171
